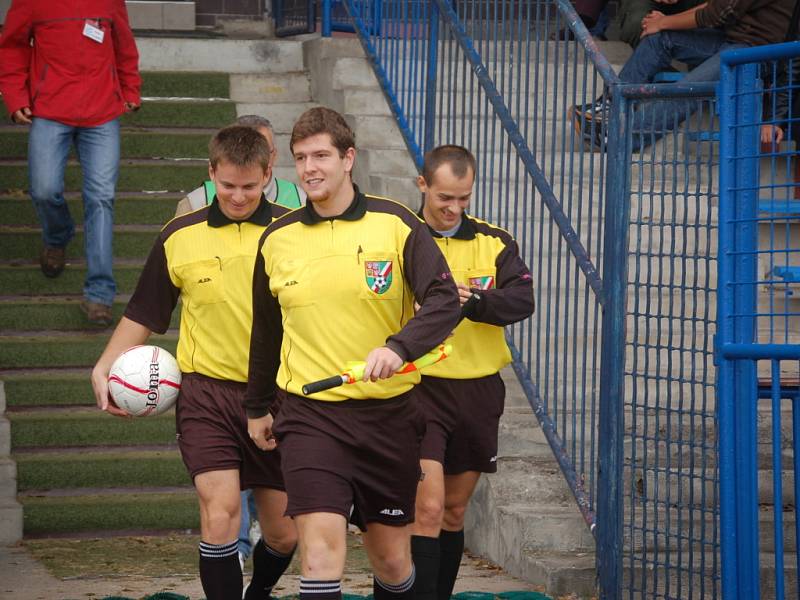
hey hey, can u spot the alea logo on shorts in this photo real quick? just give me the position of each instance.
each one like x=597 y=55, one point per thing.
x=482 y=283
x=392 y=512
x=379 y=275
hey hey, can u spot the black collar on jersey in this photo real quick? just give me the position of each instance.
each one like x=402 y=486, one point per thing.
x=466 y=231
x=356 y=210
x=261 y=216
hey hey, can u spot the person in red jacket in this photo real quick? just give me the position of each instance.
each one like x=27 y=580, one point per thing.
x=69 y=70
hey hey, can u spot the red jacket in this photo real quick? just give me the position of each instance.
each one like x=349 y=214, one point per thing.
x=50 y=66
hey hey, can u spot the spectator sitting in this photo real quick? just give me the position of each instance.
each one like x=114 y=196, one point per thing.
x=696 y=36
x=279 y=191
x=631 y=13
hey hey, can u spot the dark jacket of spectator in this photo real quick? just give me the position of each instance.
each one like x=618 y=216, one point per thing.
x=751 y=22
x=81 y=84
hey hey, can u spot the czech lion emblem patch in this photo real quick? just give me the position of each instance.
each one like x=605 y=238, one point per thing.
x=379 y=275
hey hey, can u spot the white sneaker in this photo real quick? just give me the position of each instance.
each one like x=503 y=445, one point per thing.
x=255 y=533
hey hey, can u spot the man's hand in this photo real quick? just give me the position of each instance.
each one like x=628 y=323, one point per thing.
x=101 y=396
x=771 y=134
x=464 y=293
x=131 y=107
x=381 y=363
x=652 y=23
x=22 y=116
x=260 y=431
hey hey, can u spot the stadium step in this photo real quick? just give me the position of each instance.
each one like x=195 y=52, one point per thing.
x=75 y=466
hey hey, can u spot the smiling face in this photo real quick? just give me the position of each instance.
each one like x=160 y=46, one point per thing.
x=324 y=173
x=447 y=196
x=239 y=189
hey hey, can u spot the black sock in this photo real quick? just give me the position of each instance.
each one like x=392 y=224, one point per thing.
x=320 y=589
x=425 y=552
x=451 y=544
x=220 y=572
x=394 y=591
x=268 y=566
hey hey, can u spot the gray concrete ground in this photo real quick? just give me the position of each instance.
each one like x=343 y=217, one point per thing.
x=23 y=578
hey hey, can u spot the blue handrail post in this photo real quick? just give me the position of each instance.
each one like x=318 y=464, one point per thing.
x=326 y=18
x=745 y=392
x=430 y=77
x=737 y=391
x=612 y=367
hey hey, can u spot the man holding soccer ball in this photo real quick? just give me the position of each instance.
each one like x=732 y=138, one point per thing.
x=206 y=259
x=339 y=277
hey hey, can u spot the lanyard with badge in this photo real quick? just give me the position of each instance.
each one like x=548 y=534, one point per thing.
x=93 y=31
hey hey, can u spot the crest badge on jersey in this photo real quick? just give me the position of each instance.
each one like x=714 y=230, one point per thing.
x=379 y=275
x=482 y=283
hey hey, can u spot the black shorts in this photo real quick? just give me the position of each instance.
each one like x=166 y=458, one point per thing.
x=463 y=420
x=356 y=458
x=211 y=426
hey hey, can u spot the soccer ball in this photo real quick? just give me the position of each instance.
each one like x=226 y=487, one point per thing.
x=144 y=381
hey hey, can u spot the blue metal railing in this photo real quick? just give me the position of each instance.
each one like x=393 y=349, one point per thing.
x=758 y=342
x=617 y=222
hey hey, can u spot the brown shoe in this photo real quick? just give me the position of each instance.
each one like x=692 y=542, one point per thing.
x=52 y=261
x=99 y=314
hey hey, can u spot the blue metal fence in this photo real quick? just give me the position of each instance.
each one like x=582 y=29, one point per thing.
x=759 y=337
x=618 y=361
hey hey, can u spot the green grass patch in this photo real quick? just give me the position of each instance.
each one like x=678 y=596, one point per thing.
x=67 y=351
x=29 y=280
x=213 y=115
x=40 y=390
x=14 y=144
x=88 y=429
x=107 y=469
x=154 y=113
x=56 y=316
x=149 y=556
x=132 y=556
x=179 y=84
x=28 y=245
x=44 y=515
x=172 y=177
x=152 y=210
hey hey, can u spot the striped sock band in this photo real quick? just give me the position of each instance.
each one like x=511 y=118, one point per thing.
x=403 y=586
x=218 y=550
x=320 y=588
x=274 y=552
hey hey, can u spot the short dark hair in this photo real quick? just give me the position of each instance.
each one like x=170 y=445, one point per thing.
x=459 y=158
x=254 y=121
x=323 y=120
x=240 y=146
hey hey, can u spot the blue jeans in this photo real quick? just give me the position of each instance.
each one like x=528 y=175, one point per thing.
x=249 y=511
x=98 y=153
x=654 y=53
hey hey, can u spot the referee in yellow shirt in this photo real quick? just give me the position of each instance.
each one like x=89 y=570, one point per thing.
x=206 y=259
x=463 y=396
x=340 y=277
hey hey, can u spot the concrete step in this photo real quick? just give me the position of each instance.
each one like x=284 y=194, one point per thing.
x=281 y=115
x=270 y=88
x=8 y=478
x=10 y=521
x=160 y=15
x=219 y=55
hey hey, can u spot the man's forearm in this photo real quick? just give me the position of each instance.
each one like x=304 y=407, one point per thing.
x=682 y=20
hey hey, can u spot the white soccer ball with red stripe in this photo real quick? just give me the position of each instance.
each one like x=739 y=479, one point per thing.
x=144 y=381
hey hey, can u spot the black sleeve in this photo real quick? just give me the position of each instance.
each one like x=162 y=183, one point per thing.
x=265 y=343
x=155 y=296
x=432 y=283
x=512 y=298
